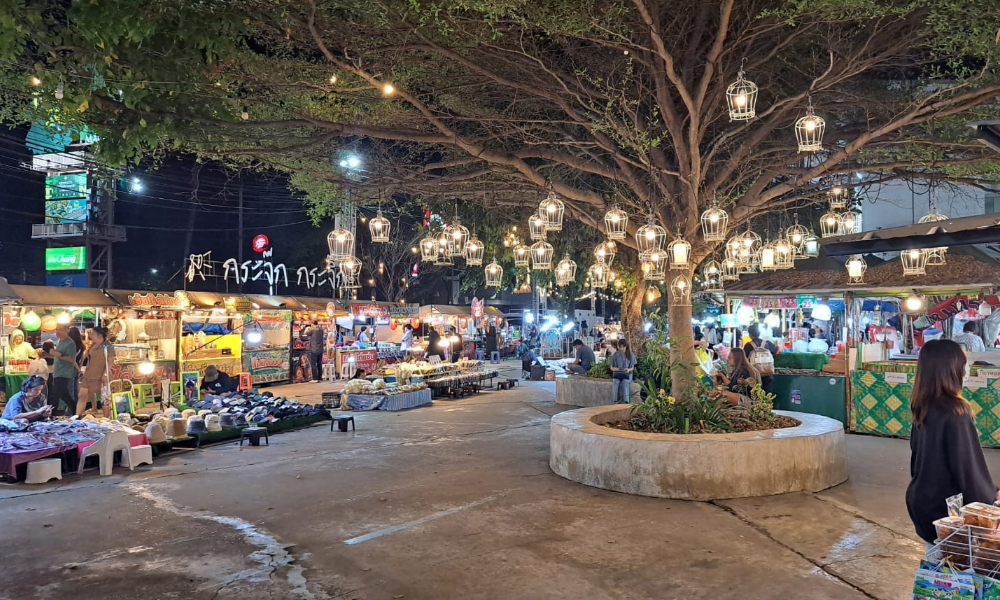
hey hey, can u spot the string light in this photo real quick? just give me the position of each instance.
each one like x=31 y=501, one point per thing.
x=388 y=89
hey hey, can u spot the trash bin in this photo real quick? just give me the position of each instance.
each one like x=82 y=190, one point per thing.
x=820 y=394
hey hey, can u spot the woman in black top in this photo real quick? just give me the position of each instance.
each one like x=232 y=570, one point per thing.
x=946 y=457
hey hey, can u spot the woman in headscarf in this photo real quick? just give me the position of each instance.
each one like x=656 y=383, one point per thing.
x=18 y=348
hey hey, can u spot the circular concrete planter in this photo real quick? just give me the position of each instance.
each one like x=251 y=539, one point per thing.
x=577 y=390
x=810 y=457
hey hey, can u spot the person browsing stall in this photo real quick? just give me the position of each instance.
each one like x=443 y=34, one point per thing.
x=64 y=372
x=756 y=343
x=407 y=340
x=218 y=382
x=29 y=403
x=969 y=340
x=317 y=346
x=584 y=359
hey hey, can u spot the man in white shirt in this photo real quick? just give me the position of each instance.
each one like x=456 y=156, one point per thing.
x=969 y=340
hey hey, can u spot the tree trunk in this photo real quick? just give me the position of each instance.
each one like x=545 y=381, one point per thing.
x=681 y=347
x=632 y=324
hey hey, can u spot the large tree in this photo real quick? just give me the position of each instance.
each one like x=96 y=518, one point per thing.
x=599 y=101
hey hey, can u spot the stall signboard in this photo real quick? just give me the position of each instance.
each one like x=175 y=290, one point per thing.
x=66 y=259
x=266 y=366
x=365 y=359
x=370 y=311
x=66 y=186
x=157 y=301
x=728 y=320
x=409 y=311
x=66 y=211
x=806 y=301
x=751 y=302
x=11 y=320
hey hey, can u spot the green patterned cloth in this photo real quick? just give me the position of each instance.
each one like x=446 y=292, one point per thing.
x=883 y=408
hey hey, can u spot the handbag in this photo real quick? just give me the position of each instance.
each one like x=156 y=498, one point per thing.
x=621 y=375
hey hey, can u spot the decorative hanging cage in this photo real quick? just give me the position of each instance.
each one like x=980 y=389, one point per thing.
x=458 y=236
x=809 y=130
x=741 y=96
x=525 y=285
x=784 y=254
x=551 y=210
x=565 y=271
x=650 y=236
x=680 y=291
x=768 y=257
x=350 y=273
x=429 y=248
x=494 y=274
x=914 y=261
x=541 y=256
x=379 y=228
x=830 y=225
x=796 y=236
x=935 y=256
x=838 y=197
x=341 y=243
x=522 y=255
x=714 y=223
x=856 y=267
x=711 y=274
x=474 y=251
x=748 y=263
x=598 y=273
x=730 y=270
x=733 y=246
x=536 y=227
x=653 y=294
x=654 y=266
x=810 y=248
x=606 y=252
x=850 y=222
x=444 y=251
x=751 y=240
x=616 y=223
x=679 y=254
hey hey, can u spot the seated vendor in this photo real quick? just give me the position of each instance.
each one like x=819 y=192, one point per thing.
x=18 y=348
x=584 y=359
x=360 y=374
x=29 y=403
x=217 y=382
x=742 y=378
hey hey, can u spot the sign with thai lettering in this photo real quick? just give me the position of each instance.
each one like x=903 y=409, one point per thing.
x=158 y=301
x=408 y=311
x=66 y=259
x=66 y=186
x=370 y=311
x=266 y=366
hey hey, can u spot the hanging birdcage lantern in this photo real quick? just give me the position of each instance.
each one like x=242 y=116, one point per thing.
x=474 y=251
x=850 y=222
x=856 y=267
x=457 y=235
x=606 y=252
x=565 y=271
x=680 y=291
x=809 y=131
x=935 y=256
x=768 y=257
x=541 y=256
x=733 y=246
x=654 y=266
x=494 y=274
x=711 y=274
x=796 y=236
x=751 y=240
x=350 y=273
x=522 y=255
x=679 y=254
x=730 y=270
x=741 y=96
x=914 y=261
x=379 y=228
x=525 y=286
x=444 y=251
x=652 y=294
x=829 y=224
x=616 y=223
x=429 y=249
x=810 y=247
x=650 y=236
x=784 y=254
x=551 y=210
x=838 y=197
x=714 y=223
x=341 y=243
x=598 y=274
x=536 y=227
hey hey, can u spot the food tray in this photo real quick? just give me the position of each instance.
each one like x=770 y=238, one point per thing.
x=969 y=546
x=982 y=515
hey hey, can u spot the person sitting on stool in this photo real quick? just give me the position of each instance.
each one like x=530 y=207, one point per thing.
x=217 y=382
x=584 y=359
x=527 y=359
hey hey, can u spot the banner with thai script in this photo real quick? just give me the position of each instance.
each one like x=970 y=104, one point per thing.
x=267 y=366
x=410 y=311
x=370 y=311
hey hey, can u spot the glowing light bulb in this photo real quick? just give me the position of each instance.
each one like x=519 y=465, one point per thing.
x=387 y=89
x=254 y=336
x=615 y=218
x=35 y=81
x=551 y=208
x=914 y=303
x=333 y=79
x=714 y=217
x=914 y=254
x=810 y=125
x=741 y=100
x=146 y=367
x=63 y=318
x=650 y=235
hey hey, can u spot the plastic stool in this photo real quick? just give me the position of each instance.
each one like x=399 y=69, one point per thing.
x=329 y=371
x=43 y=471
x=480 y=355
x=342 y=422
x=143 y=394
x=252 y=435
x=495 y=357
x=137 y=455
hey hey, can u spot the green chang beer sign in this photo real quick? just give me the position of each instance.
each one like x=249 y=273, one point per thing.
x=66 y=259
x=66 y=186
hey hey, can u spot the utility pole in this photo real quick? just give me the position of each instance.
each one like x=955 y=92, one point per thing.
x=239 y=229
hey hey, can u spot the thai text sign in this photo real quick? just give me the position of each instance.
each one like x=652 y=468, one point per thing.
x=267 y=366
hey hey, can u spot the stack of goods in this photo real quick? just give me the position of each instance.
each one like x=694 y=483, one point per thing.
x=256 y=408
x=21 y=435
x=461 y=379
x=964 y=563
x=378 y=386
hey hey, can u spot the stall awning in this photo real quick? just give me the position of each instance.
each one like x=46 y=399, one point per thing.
x=206 y=300
x=41 y=295
x=963 y=231
x=147 y=300
x=277 y=303
x=492 y=311
x=7 y=295
x=432 y=310
x=320 y=304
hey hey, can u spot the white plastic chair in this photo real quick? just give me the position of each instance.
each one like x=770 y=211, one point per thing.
x=137 y=455
x=105 y=449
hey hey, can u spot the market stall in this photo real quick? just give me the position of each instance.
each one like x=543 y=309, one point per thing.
x=267 y=341
x=443 y=378
x=323 y=310
x=145 y=327
x=210 y=334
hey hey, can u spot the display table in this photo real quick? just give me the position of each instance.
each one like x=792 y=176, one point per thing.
x=816 y=394
x=881 y=405
x=389 y=402
x=10 y=460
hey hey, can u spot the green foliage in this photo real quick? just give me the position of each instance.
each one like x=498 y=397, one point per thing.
x=600 y=370
x=761 y=407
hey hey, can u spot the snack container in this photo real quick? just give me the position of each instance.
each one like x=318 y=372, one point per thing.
x=947 y=526
x=982 y=515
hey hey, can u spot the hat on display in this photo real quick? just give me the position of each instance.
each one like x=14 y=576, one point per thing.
x=170 y=410
x=212 y=423
x=196 y=424
x=241 y=420
x=154 y=433
x=187 y=414
x=162 y=421
x=227 y=420
x=204 y=413
x=176 y=416
x=178 y=428
x=211 y=373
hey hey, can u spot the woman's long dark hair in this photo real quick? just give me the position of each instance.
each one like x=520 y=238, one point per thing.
x=743 y=368
x=940 y=373
x=74 y=334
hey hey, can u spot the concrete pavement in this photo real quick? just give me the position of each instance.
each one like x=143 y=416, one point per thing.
x=454 y=500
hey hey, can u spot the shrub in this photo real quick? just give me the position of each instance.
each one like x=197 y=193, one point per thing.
x=600 y=370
